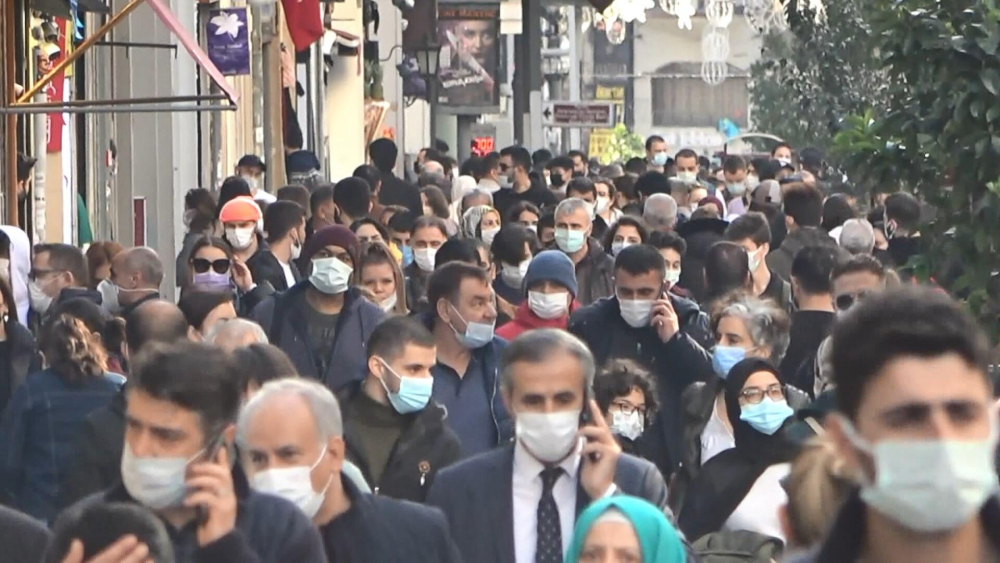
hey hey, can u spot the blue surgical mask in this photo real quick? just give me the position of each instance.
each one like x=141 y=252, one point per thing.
x=413 y=393
x=725 y=357
x=660 y=159
x=407 y=255
x=570 y=241
x=766 y=416
x=476 y=335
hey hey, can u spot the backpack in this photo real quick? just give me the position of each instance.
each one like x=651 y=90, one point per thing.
x=737 y=547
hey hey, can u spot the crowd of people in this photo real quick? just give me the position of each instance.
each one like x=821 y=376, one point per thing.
x=525 y=358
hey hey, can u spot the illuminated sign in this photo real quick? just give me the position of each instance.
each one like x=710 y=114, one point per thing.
x=482 y=146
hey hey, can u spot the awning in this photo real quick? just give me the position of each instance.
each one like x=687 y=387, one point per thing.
x=61 y=8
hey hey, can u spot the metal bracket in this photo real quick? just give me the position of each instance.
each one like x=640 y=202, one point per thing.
x=138 y=45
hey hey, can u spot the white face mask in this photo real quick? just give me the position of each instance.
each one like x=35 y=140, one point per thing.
x=296 y=250
x=603 y=203
x=40 y=301
x=389 y=302
x=548 y=305
x=5 y=268
x=512 y=275
x=928 y=485
x=673 y=276
x=755 y=258
x=156 y=482
x=109 y=296
x=627 y=425
x=688 y=177
x=620 y=245
x=636 y=312
x=293 y=484
x=591 y=209
x=549 y=437
x=752 y=182
x=241 y=238
x=489 y=234
x=424 y=257
x=251 y=181
x=330 y=275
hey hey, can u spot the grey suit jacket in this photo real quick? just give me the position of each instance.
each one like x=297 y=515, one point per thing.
x=477 y=497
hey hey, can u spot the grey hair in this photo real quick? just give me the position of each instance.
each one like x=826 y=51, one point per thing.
x=570 y=205
x=660 y=211
x=767 y=323
x=322 y=405
x=436 y=179
x=857 y=236
x=536 y=346
x=475 y=192
x=236 y=329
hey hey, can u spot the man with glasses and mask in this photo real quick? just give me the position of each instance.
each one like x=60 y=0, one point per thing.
x=519 y=502
x=323 y=322
x=180 y=426
x=462 y=316
x=58 y=273
x=917 y=420
x=291 y=436
x=851 y=281
x=642 y=322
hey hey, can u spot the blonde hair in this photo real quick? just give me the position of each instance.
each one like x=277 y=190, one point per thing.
x=817 y=485
x=74 y=351
x=374 y=253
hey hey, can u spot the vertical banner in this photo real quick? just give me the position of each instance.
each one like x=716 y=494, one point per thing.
x=229 y=40
x=469 y=36
x=55 y=91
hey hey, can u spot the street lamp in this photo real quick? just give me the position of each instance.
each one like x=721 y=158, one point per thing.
x=428 y=55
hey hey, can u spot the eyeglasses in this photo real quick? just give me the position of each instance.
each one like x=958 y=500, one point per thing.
x=846 y=301
x=201 y=265
x=628 y=408
x=754 y=395
x=36 y=273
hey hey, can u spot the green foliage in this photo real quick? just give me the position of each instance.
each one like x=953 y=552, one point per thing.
x=808 y=79
x=939 y=136
x=625 y=145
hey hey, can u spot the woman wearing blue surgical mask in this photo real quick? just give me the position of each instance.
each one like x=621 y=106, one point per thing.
x=740 y=489
x=745 y=327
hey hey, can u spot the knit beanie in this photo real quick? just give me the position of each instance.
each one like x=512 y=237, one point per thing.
x=551 y=265
x=337 y=235
x=240 y=209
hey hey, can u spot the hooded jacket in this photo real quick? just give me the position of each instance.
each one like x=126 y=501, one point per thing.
x=525 y=319
x=282 y=318
x=675 y=365
x=595 y=274
x=779 y=261
x=425 y=446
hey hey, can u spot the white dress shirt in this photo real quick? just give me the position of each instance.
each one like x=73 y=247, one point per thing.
x=716 y=437
x=527 y=489
x=289 y=276
x=759 y=510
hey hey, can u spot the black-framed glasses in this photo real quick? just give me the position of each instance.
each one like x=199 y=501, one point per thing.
x=845 y=301
x=628 y=408
x=754 y=395
x=202 y=265
x=36 y=273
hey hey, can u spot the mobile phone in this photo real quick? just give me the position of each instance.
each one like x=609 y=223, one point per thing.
x=586 y=418
x=211 y=454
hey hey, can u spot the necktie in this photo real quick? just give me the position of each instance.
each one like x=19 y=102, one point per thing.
x=548 y=548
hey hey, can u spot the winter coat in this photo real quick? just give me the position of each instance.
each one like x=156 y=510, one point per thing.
x=674 y=365
x=97 y=454
x=700 y=235
x=23 y=358
x=779 y=260
x=282 y=319
x=595 y=274
x=264 y=267
x=425 y=446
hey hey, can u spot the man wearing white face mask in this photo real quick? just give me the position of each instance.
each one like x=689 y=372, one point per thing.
x=549 y=293
x=574 y=226
x=564 y=457
x=512 y=249
x=292 y=437
x=322 y=323
x=586 y=189
x=395 y=432
x=239 y=218
x=251 y=168
x=753 y=233
x=183 y=400
x=285 y=225
x=462 y=318
x=917 y=421
x=657 y=330
x=136 y=275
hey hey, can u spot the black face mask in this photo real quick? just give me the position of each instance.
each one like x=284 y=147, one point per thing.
x=556 y=180
x=577 y=174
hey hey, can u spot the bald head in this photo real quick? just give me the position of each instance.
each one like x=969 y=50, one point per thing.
x=235 y=334
x=660 y=212
x=154 y=321
x=140 y=263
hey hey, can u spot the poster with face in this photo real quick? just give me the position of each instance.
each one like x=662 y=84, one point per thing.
x=470 y=52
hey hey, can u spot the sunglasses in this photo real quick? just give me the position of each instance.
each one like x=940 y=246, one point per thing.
x=847 y=300
x=201 y=265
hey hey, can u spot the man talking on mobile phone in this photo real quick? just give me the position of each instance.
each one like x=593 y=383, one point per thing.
x=523 y=499
x=183 y=400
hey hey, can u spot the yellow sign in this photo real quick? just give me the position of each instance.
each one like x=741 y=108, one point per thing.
x=616 y=93
x=600 y=143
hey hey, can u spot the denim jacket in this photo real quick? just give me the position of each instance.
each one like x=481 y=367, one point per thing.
x=37 y=435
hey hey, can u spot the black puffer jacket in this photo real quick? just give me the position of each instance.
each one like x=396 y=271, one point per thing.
x=425 y=447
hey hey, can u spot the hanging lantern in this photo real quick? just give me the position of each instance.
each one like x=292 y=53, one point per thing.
x=714 y=73
x=715 y=44
x=719 y=13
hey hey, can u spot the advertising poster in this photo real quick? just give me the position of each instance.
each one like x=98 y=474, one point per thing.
x=229 y=40
x=469 y=36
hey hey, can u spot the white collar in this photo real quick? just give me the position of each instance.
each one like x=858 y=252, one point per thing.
x=529 y=467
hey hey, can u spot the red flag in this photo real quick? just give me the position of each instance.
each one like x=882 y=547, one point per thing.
x=304 y=22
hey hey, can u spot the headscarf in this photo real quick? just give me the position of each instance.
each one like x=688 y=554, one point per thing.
x=20 y=265
x=472 y=218
x=659 y=541
x=725 y=480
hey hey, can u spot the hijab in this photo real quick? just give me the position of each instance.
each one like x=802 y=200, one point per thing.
x=659 y=541
x=725 y=480
x=471 y=219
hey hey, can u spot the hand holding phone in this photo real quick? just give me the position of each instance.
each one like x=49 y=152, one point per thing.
x=600 y=451
x=212 y=495
x=664 y=319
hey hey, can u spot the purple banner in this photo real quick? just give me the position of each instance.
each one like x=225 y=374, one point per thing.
x=229 y=40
